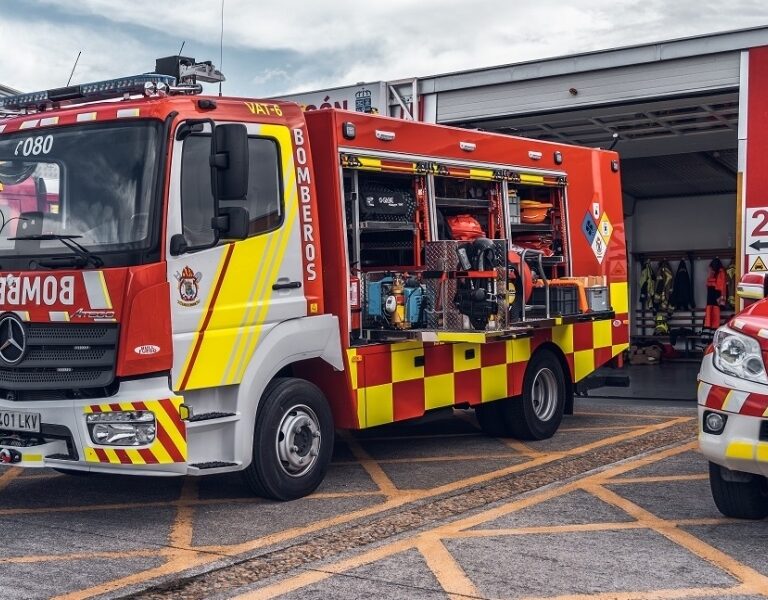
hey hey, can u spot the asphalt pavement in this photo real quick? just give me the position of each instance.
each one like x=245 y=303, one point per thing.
x=616 y=505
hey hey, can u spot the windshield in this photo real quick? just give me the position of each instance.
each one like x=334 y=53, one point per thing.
x=92 y=182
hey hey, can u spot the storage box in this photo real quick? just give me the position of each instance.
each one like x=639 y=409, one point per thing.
x=563 y=300
x=598 y=299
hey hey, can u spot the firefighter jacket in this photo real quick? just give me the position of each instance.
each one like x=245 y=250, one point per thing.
x=647 y=279
x=716 y=287
x=663 y=288
x=682 y=289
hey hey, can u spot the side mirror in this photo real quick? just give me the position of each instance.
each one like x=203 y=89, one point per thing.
x=178 y=244
x=753 y=286
x=232 y=223
x=229 y=162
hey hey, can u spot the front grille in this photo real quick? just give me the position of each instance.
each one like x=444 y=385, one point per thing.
x=63 y=356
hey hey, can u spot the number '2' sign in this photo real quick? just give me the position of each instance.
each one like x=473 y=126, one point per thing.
x=757 y=230
x=34 y=146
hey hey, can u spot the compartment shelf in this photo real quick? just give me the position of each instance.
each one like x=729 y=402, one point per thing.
x=387 y=226
x=530 y=227
x=462 y=203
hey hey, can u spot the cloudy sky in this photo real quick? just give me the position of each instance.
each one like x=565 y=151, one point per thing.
x=293 y=45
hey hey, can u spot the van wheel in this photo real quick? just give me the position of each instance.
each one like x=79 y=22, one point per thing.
x=536 y=415
x=744 y=496
x=292 y=442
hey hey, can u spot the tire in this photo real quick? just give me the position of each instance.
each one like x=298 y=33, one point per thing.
x=490 y=416
x=292 y=442
x=746 y=499
x=536 y=415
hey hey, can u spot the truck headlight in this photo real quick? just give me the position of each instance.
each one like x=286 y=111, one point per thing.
x=122 y=428
x=739 y=355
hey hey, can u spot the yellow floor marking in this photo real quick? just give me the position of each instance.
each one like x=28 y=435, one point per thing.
x=751 y=578
x=520 y=447
x=180 y=559
x=447 y=571
x=380 y=478
x=544 y=530
x=310 y=577
x=456 y=527
x=660 y=478
x=182 y=528
x=7 y=477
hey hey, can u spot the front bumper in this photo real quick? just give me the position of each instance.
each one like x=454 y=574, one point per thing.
x=739 y=447
x=64 y=441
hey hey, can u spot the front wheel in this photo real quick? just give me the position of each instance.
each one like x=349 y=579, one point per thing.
x=292 y=442
x=536 y=415
x=738 y=495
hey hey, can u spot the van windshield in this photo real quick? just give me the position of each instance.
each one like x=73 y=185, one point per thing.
x=93 y=183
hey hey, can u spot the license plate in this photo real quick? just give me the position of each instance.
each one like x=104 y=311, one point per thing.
x=19 y=421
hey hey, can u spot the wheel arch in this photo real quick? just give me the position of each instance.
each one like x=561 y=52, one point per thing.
x=287 y=345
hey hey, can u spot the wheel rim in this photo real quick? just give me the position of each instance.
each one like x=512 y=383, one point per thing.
x=544 y=394
x=298 y=440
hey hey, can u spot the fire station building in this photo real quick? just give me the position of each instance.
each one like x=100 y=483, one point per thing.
x=689 y=118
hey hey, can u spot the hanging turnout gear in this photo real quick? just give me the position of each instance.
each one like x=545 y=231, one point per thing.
x=716 y=297
x=682 y=289
x=647 y=278
x=662 y=292
x=730 y=284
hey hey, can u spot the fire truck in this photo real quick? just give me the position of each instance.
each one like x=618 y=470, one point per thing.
x=213 y=284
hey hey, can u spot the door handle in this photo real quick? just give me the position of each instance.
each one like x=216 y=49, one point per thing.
x=290 y=285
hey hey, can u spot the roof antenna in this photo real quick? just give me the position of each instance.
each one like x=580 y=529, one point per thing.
x=182 y=47
x=221 y=44
x=73 y=68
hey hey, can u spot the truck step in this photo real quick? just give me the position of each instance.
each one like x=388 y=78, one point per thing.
x=214 y=464
x=209 y=415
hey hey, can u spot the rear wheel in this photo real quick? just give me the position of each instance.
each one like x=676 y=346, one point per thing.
x=738 y=495
x=536 y=415
x=293 y=441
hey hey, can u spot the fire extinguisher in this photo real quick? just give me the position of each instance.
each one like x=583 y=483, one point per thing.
x=394 y=305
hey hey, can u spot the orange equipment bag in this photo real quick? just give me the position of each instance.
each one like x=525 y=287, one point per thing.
x=464 y=227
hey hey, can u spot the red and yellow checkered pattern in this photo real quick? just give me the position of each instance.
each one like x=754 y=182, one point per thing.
x=400 y=381
x=170 y=445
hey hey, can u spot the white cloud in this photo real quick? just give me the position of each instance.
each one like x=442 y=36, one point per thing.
x=341 y=42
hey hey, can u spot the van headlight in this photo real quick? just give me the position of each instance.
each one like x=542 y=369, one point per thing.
x=122 y=428
x=739 y=355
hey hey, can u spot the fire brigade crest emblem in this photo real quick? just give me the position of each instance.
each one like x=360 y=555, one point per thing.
x=189 y=286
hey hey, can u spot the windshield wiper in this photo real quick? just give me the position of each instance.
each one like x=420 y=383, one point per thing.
x=87 y=257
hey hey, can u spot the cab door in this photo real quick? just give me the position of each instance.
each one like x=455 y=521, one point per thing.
x=225 y=298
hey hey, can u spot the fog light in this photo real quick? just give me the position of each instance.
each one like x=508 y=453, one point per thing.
x=714 y=423
x=122 y=428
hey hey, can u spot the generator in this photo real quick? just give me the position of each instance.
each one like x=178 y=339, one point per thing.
x=395 y=301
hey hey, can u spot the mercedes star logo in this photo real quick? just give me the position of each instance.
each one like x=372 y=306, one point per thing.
x=13 y=339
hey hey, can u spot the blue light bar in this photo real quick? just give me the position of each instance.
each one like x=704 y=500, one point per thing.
x=87 y=92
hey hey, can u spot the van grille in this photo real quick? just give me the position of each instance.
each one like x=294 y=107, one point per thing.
x=63 y=356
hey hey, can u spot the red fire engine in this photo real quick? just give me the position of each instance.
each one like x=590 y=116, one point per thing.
x=214 y=284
